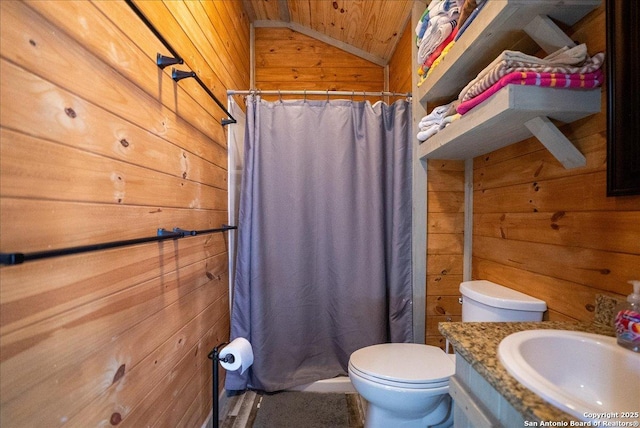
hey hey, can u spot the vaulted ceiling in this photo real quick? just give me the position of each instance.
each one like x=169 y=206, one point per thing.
x=369 y=28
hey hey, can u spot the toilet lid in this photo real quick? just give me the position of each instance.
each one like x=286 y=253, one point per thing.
x=403 y=362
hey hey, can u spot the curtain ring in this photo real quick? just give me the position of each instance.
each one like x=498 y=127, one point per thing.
x=327 y=96
x=280 y=95
x=353 y=93
x=305 y=95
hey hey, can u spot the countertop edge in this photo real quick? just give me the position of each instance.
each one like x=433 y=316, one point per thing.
x=477 y=343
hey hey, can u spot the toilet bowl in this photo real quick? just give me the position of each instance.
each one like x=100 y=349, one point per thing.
x=407 y=384
x=403 y=391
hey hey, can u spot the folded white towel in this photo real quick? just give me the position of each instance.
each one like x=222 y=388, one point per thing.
x=439 y=117
x=428 y=132
x=435 y=117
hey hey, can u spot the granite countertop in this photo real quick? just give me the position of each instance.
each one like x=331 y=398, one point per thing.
x=477 y=343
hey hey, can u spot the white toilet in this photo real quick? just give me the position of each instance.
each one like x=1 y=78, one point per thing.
x=407 y=384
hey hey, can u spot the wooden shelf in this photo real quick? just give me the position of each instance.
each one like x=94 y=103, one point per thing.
x=513 y=114
x=501 y=25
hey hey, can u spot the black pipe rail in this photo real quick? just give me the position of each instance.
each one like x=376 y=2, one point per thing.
x=164 y=61
x=162 y=235
x=214 y=356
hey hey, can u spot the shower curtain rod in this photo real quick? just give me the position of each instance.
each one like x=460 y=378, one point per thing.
x=326 y=93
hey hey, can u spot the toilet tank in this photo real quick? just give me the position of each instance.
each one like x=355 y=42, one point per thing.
x=487 y=301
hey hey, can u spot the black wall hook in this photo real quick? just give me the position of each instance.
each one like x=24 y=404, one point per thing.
x=178 y=75
x=164 y=61
x=185 y=232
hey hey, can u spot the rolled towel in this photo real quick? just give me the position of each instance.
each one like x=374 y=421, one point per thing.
x=427 y=132
x=436 y=116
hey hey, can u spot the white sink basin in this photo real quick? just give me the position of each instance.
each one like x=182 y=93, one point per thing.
x=583 y=374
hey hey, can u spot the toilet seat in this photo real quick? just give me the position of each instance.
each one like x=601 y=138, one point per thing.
x=403 y=365
x=397 y=384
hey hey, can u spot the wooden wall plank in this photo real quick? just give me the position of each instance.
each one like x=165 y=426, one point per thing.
x=447 y=222
x=135 y=68
x=445 y=181
x=539 y=165
x=189 y=17
x=615 y=231
x=86 y=369
x=445 y=244
x=443 y=284
x=60 y=284
x=400 y=65
x=192 y=51
x=438 y=341
x=83 y=177
x=41 y=328
x=185 y=393
x=444 y=264
x=175 y=362
x=325 y=74
x=287 y=60
x=433 y=334
x=604 y=270
x=588 y=31
x=116 y=222
x=586 y=192
x=443 y=305
x=234 y=34
x=310 y=53
x=68 y=119
x=445 y=202
x=87 y=339
x=568 y=300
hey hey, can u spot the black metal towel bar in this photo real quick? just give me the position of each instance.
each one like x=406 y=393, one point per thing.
x=162 y=235
x=163 y=61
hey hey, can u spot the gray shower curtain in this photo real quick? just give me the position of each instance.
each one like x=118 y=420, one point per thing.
x=324 y=251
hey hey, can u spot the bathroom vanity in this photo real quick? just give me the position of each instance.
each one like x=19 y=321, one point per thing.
x=484 y=394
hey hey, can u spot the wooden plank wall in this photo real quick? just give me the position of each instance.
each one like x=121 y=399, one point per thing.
x=400 y=73
x=550 y=232
x=97 y=144
x=288 y=60
x=445 y=235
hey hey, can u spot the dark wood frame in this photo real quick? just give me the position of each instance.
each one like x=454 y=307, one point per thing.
x=623 y=97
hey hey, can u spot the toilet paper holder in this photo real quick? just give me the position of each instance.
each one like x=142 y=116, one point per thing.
x=229 y=358
x=238 y=355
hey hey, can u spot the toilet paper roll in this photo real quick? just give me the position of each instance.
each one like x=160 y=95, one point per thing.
x=242 y=353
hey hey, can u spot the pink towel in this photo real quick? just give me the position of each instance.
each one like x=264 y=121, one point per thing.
x=555 y=80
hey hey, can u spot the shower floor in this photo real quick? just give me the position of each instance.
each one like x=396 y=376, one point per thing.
x=244 y=408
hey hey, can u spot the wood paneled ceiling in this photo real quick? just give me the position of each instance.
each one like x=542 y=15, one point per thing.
x=368 y=28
